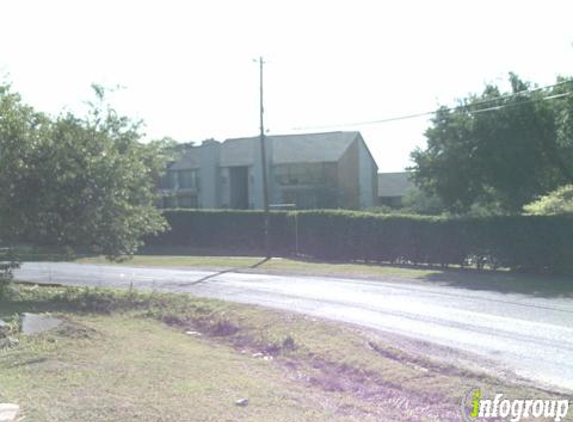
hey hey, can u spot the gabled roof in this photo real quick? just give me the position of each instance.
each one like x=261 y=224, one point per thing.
x=287 y=149
x=394 y=184
x=238 y=152
x=326 y=147
x=311 y=147
x=191 y=159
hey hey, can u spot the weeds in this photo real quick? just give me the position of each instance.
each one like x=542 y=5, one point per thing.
x=8 y=263
x=223 y=328
x=278 y=345
x=208 y=317
x=336 y=360
x=288 y=343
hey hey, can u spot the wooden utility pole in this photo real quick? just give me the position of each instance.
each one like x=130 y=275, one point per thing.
x=264 y=166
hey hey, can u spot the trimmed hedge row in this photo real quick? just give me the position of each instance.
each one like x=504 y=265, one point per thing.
x=531 y=243
x=225 y=230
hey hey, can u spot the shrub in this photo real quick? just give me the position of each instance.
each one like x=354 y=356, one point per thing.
x=528 y=243
x=226 y=230
x=559 y=201
x=8 y=263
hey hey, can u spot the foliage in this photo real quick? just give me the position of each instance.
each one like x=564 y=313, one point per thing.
x=416 y=201
x=499 y=149
x=168 y=149
x=564 y=114
x=224 y=229
x=530 y=243
x=382 y=209
x=78 y=183
x=560 y=201
x=8 y=263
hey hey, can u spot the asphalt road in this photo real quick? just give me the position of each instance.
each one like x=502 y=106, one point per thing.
x=529 y=336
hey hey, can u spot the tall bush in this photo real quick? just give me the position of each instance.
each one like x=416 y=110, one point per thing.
x=528 y=243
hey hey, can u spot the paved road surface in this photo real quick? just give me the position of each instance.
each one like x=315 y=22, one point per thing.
x=530 y=336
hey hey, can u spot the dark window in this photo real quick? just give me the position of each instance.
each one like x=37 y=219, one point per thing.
x=169 y=180
x=304 y=174
x=187 y=179
x=239 y=187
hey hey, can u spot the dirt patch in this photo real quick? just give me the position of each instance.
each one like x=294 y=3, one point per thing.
x=372 y=388
x=76 y=331
x=415 y=362
x=335 y=377
x=207 y=326
x=30 y=362
x=443 y=359
x=393 y=380
x=223 y=328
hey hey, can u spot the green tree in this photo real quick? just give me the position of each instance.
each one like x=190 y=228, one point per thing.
x=416 y=201
x=497 y=150
x=79 y=183
x=564 y=119
x=560 y=201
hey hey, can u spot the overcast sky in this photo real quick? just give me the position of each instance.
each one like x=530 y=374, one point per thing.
x=186 y=66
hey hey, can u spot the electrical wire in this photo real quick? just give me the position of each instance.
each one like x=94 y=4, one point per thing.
x=459 y=108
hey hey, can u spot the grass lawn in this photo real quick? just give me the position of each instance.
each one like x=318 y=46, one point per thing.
x=125 y=356
x=116 y=368
x=279 y=265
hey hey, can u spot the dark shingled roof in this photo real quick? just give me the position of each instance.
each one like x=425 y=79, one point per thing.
x=393 y=184
x=311 y=147
x=299 y=148
x=238 y=152
x=190 y=160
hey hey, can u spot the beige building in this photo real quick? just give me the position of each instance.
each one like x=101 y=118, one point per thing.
x=318 y=170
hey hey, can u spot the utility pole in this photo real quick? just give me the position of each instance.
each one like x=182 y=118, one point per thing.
x=264 y=166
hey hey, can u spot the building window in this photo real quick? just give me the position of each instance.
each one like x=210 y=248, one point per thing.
x=187 y=179
x=180 y=179
x=304 y=174
x=169 y=180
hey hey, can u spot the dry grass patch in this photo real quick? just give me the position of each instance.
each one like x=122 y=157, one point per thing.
x=125 y=356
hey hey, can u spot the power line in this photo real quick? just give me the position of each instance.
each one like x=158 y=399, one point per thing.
x=459 y=108
x=370 y=122
x=520 y=93
x=495 y=108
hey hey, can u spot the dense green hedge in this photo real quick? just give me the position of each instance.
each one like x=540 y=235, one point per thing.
x=533 y=243
x=225 y=230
